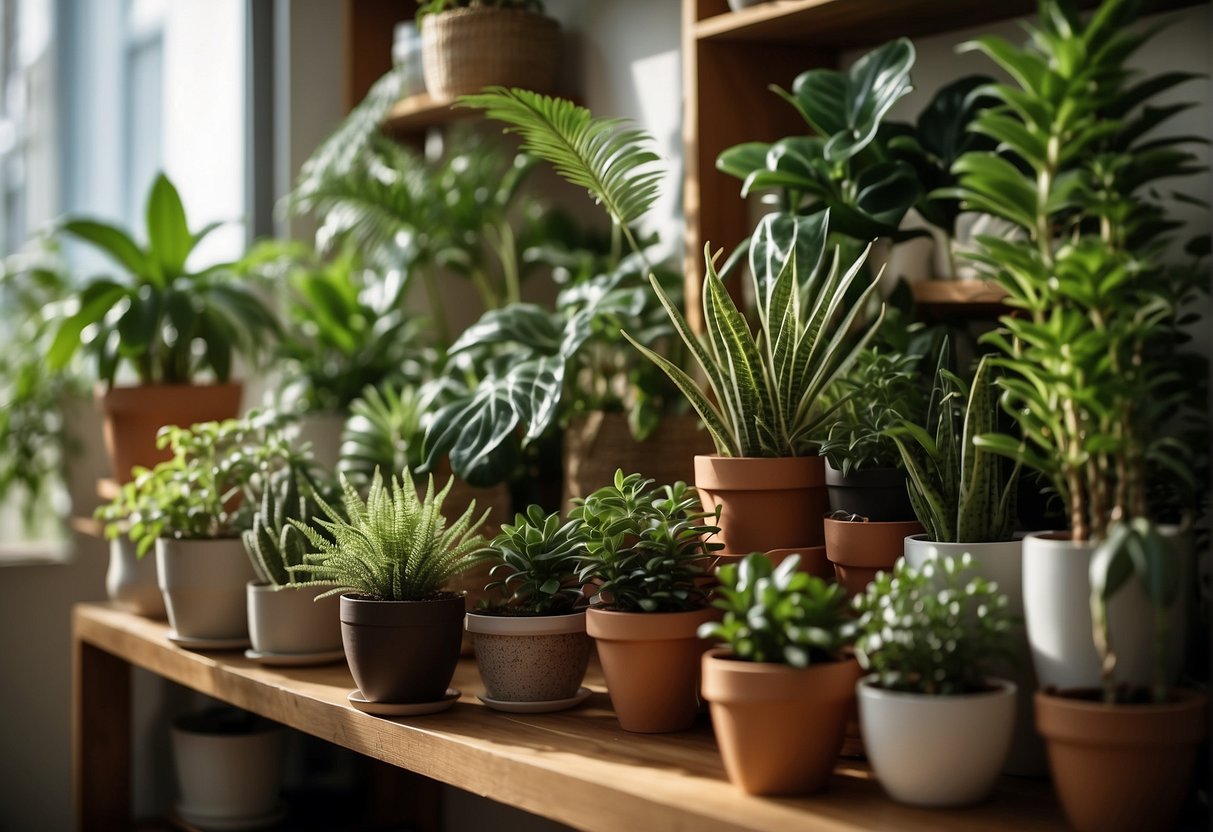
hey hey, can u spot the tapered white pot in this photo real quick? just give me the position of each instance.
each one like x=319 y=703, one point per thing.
x=130 y=581
x=289 y=620
x=229 y=769
x=203 y=582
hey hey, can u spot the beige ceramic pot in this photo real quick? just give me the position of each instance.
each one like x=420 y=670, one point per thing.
x=859 y=550
x=765 y=504
x=203 y=583
x=289 y=620
x=530 y=659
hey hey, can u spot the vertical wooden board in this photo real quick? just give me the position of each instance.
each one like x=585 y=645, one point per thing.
x=369 y=27
x=101 y=738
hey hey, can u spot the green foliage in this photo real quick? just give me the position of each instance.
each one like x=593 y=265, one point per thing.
x=394 y=546
x=275 y=545
x=645 y=544
x=934 y=630
x=169 y=324
x=383 y=433
x=209 y=488
x=430 y=7
x=779 y=614
x=537 y=564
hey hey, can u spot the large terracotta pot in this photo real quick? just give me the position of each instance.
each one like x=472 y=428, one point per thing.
x=402 y=652
x=598 y=443
x=530 y=658
x=650 y=661
x=813 y=560
x=203 y=583
x=288 y=620
x=130 y=581
x=133 y=416
x=766 y=503
x=779 y=728
x=878 y=494
x=1121 y=768
x=859 y=550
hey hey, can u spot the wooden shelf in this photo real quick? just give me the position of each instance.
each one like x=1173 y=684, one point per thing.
x=577 y=767
x=418 y=112
x=970 y=298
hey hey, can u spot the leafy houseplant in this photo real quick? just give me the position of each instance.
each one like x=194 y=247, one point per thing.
x=780 y=686
x=389 y=557
x=167 y=323
x=936 y=727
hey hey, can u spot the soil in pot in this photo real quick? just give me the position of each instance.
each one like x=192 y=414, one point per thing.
x=530 y=658
x=765 y=504
x=203 y=584
x=859 y=549
x=878 y=494
x=289 y=620
x=228 y=765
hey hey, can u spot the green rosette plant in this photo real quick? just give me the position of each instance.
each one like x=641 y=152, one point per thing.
x=538 y=558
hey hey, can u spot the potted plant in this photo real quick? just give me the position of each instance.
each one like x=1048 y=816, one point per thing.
x=766 y=479
x=467 y=45
x=1122 y=754
x=193 y=509
x=168 y=324
x=288 y=625
x=389 y=557
x=646 y=553
x=780 y=687
x=936 y=726
x=531 y=647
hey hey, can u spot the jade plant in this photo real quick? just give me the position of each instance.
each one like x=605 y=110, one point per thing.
x=274 y=544
x=937 y=630
x=396 y=545
x=779 y=614
x=646 y=545
x=536 y=561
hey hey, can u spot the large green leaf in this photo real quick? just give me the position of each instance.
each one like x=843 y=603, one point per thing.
x=168 y=233
x=114 y=242
x=96 y=300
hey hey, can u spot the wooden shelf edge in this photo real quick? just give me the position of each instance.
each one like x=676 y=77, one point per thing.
x=417 y=112
x=957 y=292
x=89 y=526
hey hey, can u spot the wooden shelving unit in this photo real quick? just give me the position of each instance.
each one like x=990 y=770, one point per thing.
x=420 y=112
x=972 y=298
x=577 y=767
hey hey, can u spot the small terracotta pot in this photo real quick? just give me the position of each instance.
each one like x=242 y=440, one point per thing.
x=402 y=652
x=1121 y=767
x=530 y=658
x=878 y=494
x=859 y=550
x=813 y=560
x=289 y=619
x=766 y=504
x=779 y=728
x=134 y=415
x=650 y=661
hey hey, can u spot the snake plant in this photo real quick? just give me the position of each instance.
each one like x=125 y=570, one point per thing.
x=274 y=545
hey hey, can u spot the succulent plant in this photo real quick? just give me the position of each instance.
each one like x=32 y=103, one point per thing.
x=538 y=559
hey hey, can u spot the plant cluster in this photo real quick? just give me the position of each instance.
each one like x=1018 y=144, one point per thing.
x=538 y=559
x=881 y=390
x=382 y=433
x=274 y=544
x=779 y=614
x=438 y=6
x=937 y=630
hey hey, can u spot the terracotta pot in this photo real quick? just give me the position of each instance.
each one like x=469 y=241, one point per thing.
x=650 y=661
x=289 y=619
x=598 y=443
x=859 y=550
x=878 y=494
x=464 y=50
x=813 y=560
x=1121 y=767
x=530 y=658
x=402 y=652
x=133 y=416
x=779 y=728
x=766 y=504
x=229 y=768
x=203 y=583
x=130 y=581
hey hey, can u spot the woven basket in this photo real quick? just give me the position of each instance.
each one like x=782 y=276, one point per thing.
x=465 y=50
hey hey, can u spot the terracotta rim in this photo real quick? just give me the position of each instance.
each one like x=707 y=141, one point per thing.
x=133 y=397
x=748 y=473
x=647 y=626
x=528 y=625
x=728 y=680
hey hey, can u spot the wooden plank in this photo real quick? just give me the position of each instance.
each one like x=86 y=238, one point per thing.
x=959 y=298
x=419 y=112
x=576 y=767
x=101 y=738
x=368 y=32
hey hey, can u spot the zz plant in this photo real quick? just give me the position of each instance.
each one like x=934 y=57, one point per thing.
x=538 y=559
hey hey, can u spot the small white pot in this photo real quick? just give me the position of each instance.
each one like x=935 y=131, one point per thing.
x=530 y=658
x=227 y=772
x=323 y=431
x=936 y=750
x=1057 y=610
x=203 y=583
x=130 y=581
x=289 y=619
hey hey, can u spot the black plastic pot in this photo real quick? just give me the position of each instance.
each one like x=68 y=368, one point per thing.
x=878 y=494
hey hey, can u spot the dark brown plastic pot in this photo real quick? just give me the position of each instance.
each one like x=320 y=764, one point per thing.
x=401 y=652
x=1121 y=768
x=134 y=415
x=650 y=661
x=859 y=550
x=766 y=504
x=779 y=728
x=878 y=494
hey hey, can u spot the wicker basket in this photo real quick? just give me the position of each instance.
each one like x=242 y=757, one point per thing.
x=465 y=50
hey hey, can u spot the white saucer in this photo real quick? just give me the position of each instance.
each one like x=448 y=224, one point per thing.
x=208 y=822
x=582 y=694
x=410 y=709
x=208 y=643
x=294 y=659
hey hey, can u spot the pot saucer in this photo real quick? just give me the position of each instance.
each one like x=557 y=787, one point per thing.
x=207 y=643
x=547 y=706
x=208 y=822
x=359 y=702
x=294 y=659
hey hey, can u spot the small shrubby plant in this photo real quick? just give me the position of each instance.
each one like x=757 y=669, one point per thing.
x=538 y=558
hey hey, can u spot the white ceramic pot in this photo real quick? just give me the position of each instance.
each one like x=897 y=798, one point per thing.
x=1057 y=611
x=130 y=581
x=530 y=658
x=936 y=750
x=1002 y=563
x=203 y=583
x=323 y=432
x=289 y=620
x=228 y=767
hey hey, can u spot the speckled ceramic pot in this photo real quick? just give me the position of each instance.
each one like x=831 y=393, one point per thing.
x=530 y=658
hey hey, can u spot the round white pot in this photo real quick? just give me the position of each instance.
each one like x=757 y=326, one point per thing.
x=1057 y=611
x=130 y=581
x=530 y=658
x=289 y=619
x=228 y=766
x=936 y=750
x=1001 y=562
x=323 y=431
x=203 y=583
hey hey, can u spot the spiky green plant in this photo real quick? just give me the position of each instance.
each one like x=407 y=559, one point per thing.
x=274 y=544
x=394 y=546
x=383 y=433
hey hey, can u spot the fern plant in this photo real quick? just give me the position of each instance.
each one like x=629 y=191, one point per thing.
x=274 y=544
x=393 y=546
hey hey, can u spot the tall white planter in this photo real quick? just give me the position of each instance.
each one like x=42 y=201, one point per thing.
x=203 y=582
x=1057 y=591
x=1002 y=563
x=130 y=581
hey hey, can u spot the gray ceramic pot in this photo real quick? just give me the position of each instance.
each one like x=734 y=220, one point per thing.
x=203 y=585
x=130 y=581
x=530 y=658
x=289 y=619
x=878 y=494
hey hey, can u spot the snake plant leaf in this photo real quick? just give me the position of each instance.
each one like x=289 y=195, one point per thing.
x=168 y=234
